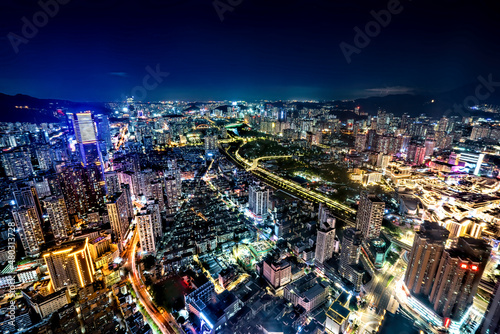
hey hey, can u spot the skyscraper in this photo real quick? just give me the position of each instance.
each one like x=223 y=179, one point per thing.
x=349 y=257
x=118 y=214
x=70 y=264
x=370 y=215
x=425 y=255
x=112 y=182
x=325 y=241
x=86 y=137
x=172 y=191
x=103 y=133
x=458 y=276
x=146 y=228
x=29 y=229
x=258 y=199
x=58 y=216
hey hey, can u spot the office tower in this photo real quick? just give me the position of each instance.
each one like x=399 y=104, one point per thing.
x=144 y=223
x=42 y=187
x=349 y=257
x=458 y=276
x=103 y=133
x=371 y=139
x=325 y=241
x=423 y=261
x=416 y=154
x=491 y=322
x=29 y=228
x=82 y=187
x=360 y=143
x=17 y=164
x=157 y=194
x=118 y=214
x=86 y=138
x=258 y=199
x=58 y=216
x=403 y=143
x=282 y=115
x=45 y=158
x=70 y=264
x=370 y=215
x=112 y=183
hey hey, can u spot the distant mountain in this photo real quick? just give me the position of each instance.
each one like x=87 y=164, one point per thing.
x=434 y=105
x=24 y=108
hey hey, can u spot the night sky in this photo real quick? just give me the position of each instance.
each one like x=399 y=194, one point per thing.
x=95 y=50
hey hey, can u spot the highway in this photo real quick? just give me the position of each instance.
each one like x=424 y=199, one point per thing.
x=162 y=320
x=343 y=211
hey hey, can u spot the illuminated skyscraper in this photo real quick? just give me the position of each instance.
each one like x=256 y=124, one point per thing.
x=369 y=216
x=118 y=214
x=103 y=133
x=258 y=199
x=491 y=322
x=17 y=164
x=458 y=276
x=86 y=137
x=145 y=222
x=423 y=261
x=70 y=264
x=29 y=228
x=325 y=240
x=349 y=257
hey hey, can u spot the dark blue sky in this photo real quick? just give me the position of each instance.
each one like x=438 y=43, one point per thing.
x=98 y=50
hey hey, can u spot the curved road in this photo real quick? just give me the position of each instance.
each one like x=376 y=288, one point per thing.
x=162 y=320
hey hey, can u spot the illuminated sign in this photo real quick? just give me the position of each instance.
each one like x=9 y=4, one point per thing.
x=463 y=266
x=447 y=322
x=474 y=268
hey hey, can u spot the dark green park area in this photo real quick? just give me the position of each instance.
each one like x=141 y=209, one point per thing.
x=169 y=294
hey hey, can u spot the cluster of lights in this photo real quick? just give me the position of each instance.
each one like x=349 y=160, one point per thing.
x=473 y=267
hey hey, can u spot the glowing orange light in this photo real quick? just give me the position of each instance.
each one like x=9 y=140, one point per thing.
x=463 y=266
x=474 y=268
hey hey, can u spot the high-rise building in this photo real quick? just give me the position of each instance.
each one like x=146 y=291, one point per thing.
x=17 y=164
x=45 y=158
x=82 y=187
x=70 y=264
x=112 y=182
x=349 y=257
x=423 y=262
x=491 y=322
x=370 y=215
x=360 y=143
x=458 y=276
x=258 y=199
x=58 y=216
x=118 y=214
x=103 y=133
x=29 y=228
x=325 y=241
x=429 y=147
x=172 y=191
x=277 y=273
x=416 y=154
x=146 y=227
x=157 y=194
x=86 y=137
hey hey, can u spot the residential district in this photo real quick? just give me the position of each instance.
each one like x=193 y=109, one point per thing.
x=239 y=217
